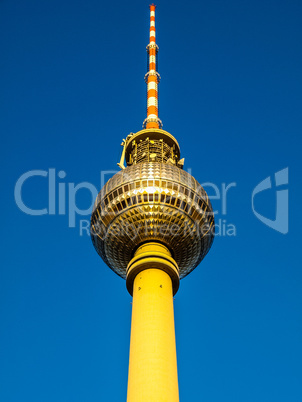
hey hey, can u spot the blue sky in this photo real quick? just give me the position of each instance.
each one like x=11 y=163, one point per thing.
x=72 y=88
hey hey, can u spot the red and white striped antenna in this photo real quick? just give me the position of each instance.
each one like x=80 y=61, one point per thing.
x=152 y=78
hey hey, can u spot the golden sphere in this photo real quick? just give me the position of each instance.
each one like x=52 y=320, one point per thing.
x=152 y=202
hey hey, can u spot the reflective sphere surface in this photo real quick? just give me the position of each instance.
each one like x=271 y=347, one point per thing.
x=152 y=202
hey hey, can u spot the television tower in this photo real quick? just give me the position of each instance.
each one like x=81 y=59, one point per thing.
x=152 y=224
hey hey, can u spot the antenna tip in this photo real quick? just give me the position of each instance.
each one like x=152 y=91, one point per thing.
x=152 y=7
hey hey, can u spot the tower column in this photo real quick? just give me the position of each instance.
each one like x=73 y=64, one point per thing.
x=152 y=201
x=152 y=279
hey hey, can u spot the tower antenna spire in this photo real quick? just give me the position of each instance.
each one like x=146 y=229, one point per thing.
x=152 y=77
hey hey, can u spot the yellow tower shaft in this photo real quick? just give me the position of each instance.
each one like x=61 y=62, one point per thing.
x=152 y=363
